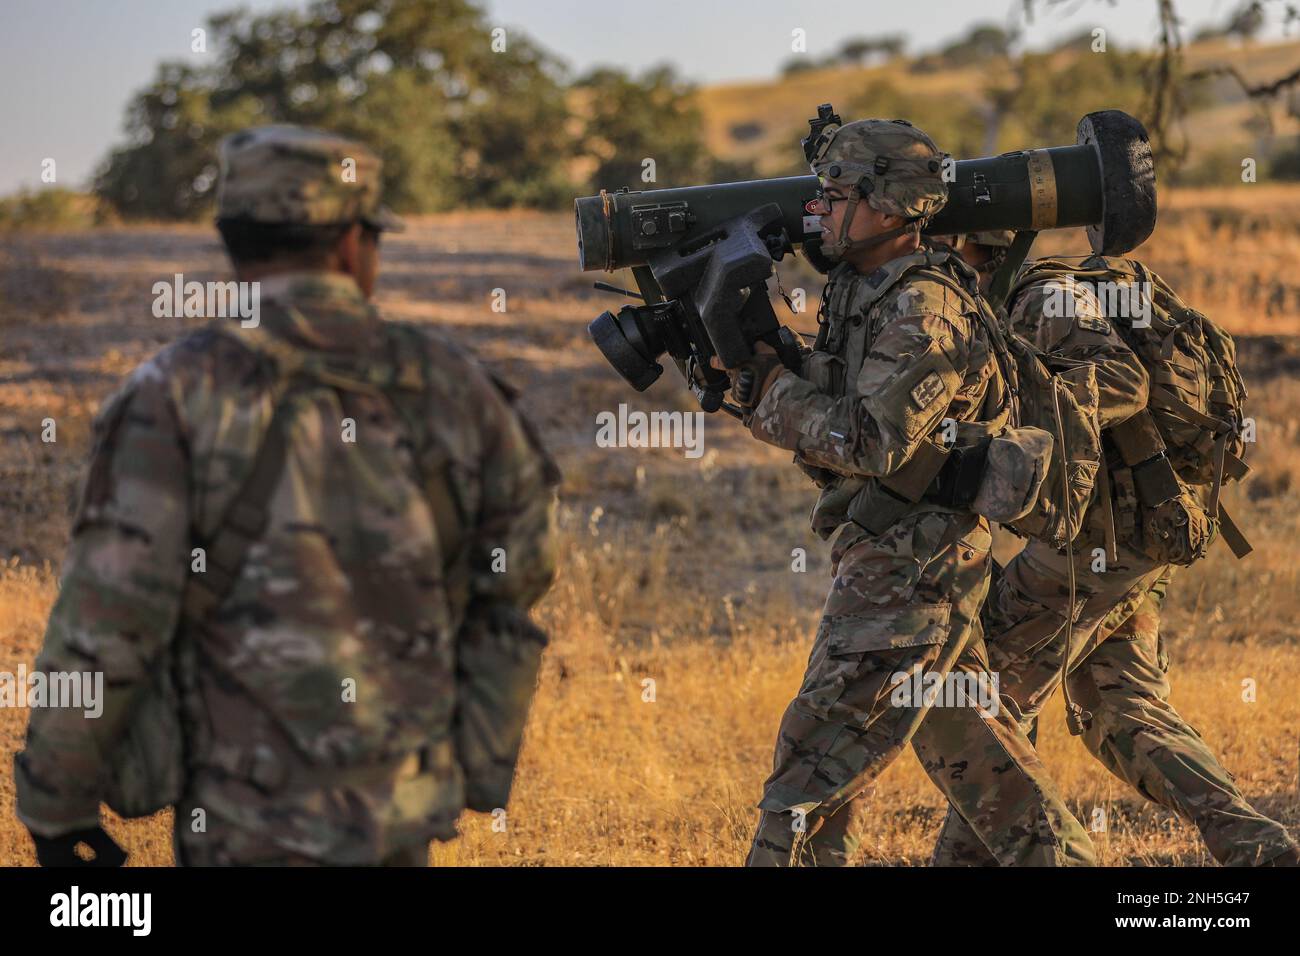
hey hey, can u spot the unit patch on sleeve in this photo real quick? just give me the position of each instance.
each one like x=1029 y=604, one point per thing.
x=927 y=390
x=1093 y=323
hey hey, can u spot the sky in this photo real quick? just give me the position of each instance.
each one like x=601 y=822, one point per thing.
x=68 y=68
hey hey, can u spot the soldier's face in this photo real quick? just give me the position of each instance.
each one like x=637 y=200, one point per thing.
x=358 y=256
x=873 y=223
x=973 y=253
x=833 y=206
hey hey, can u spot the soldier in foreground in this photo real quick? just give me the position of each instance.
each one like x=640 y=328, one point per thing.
x=1119 y=666
x=325 y=531
x=897 y=355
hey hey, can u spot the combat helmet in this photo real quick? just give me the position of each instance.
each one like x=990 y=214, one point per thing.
x=895 y=166
x=998 y=242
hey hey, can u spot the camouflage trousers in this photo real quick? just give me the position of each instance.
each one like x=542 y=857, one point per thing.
x=903 y=611
x=1119 y=673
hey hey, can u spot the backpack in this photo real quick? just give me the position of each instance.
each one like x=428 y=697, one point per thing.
x=1030 y=464
x=147 y=770
x=1174 y=455
x=1047 y=398
x=1059 y=397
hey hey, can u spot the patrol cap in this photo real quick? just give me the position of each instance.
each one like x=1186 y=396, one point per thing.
x=292 y=174
x=900 y=166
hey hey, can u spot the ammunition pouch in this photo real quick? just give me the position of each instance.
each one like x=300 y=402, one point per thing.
x=1156 y=482
x=257 y=766
x=146 y=770
x=1167 y=519
x=821 y=477
x=958 y=481
x=998 y=477
x=1137 y=439
x=876 y=509
x=883 y=502
x=1177 y=531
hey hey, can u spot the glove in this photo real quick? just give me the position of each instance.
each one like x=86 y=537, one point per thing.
x=61 y=850
x=751 y=379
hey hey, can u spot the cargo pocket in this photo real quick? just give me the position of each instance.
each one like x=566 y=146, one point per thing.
x=1015 y=627
x=856 y=655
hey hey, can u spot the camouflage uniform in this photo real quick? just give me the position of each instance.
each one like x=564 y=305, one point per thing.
x=1118 y=668
x=898 y=353
x=368 y=674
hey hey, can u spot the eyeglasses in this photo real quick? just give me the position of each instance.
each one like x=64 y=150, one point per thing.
x=827 y=200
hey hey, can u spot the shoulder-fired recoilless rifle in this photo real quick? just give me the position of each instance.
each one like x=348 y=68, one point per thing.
x=701 y=255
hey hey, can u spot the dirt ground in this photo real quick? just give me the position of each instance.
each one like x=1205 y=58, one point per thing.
x=675 y=570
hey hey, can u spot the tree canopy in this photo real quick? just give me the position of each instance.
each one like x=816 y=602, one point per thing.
x=460 y=112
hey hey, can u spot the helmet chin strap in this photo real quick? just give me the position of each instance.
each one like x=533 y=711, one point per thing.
x=843 y=243
x=993 y=263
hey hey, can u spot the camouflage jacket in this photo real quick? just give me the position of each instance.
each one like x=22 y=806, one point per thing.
x=899 y=353
x=341 y=647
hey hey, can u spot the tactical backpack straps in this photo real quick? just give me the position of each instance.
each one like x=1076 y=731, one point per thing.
x=245 y=519
x=1055 y=269
x=999 y=287
x=434 y=471
x=1076 y=716
x=407 y=368
x=997 y=419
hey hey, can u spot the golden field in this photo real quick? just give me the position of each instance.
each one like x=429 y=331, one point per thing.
x=677 y=570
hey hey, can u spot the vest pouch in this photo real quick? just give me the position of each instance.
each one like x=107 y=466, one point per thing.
x=824 y=370
x=1156 y=482
x=1178 y=531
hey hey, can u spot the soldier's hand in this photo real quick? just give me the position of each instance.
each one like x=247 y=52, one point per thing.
x=753 y=377
x=62 y=850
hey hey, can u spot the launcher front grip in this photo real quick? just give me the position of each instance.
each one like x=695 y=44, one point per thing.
x=1105 y=182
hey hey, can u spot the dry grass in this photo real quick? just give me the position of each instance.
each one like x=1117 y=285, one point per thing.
x=676 y=571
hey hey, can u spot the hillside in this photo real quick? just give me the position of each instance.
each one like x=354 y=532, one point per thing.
x=762 y=121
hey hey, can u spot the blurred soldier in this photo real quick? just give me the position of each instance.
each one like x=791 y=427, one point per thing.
x=1119 y=665
x=325 y=532
x=982 y=251
x=897 y=355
